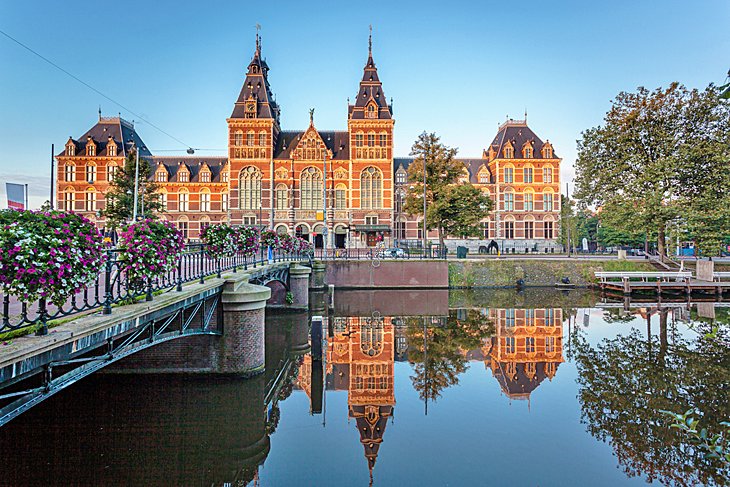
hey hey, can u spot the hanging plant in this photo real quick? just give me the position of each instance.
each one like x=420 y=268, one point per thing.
x=150 y=248
x=247 y=240
x=287 y=243
x=220 y=240
x=47 y=254
x=269 y=238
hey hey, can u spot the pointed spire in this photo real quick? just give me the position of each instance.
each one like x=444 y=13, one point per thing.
x=99 y=112
x=258 y=39
x=370 y=41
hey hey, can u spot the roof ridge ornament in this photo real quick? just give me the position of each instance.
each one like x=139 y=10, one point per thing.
x=370 y=41
x=258 y=39
x=311 y=116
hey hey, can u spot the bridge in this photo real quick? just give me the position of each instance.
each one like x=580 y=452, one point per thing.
x=216 y=307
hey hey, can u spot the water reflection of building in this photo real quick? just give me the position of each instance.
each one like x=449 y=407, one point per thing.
x=527 y=348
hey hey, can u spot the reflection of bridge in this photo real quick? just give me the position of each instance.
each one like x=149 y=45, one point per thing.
x=222 y=319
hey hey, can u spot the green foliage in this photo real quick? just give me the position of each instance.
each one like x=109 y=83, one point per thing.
x=656 y=154
x=452 y=207
x=289 y=298
x=120 y=196
x=716 y=446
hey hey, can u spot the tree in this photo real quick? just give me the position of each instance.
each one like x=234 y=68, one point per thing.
x=120 y=196
x=656 y=152
x=451 y=209
x=708 y=218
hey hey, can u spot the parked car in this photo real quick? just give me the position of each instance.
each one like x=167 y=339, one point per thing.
x=394 y=253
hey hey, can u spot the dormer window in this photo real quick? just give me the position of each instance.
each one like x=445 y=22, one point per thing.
x=183 y=176
x=91 y=149
x=111 y=148
x=483 y=177
x=371 y=111
x=205 y=177
x=70 y=148
x=527 y=152
x=400 y=177
x=509 y=152
x=224 y=176
x=547 y=151
x=161 y=176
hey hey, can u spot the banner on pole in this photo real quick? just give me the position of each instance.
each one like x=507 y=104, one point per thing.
x=16 y=196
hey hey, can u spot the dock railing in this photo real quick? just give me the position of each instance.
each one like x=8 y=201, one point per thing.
x=623 y=276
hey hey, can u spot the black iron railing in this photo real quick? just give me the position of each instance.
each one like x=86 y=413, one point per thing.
x=112 y=287
x=379 y=253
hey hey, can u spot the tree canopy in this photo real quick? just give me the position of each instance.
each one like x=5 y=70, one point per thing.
x=120 y=196
x=657 y=155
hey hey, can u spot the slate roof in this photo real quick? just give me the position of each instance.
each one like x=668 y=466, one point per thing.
x=336 y=141
x=518 y=133
x=119 y=129
x=257 y=84
x=371 y=89
x=173 y=164
x=472 y=165
x=520 y=386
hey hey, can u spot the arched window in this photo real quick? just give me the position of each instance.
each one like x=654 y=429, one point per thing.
x=205 y=199
x=529 y=200
x=69 y=199
x=509 y=174
x=509 y=200
x=359 y=139
x=70 y=149
x=111 y=171
x=371 y=139
x=547 y=201
x=91 y=149
x=183 y=199
x=282 y=197
x=311 y=197
x=90 y=173
x=527 y=173
x=371 y=111
x=249 y=188
x=69 y=172
x=90 y=201
x=340 y=197
x=163 y=199
x=371 y=337
x=509 y=152
x=262 y=138
x=371 y=188
x=238 y=138
x=547 y=151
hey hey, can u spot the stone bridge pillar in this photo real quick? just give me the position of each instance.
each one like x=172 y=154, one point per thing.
x=299 y=285
x=318 y=275
x=242 y=344
x=299 y=334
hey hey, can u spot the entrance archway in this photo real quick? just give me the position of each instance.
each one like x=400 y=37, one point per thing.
x=340 y=236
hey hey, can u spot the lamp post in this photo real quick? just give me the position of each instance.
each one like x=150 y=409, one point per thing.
x=324 y=200
x=424 y=205
x=136 y=179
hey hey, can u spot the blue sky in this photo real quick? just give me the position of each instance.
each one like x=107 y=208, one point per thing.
x=454 y=68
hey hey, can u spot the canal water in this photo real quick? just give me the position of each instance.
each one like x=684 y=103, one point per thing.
x=540 y=388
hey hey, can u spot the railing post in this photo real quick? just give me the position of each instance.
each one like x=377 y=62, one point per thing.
x=149 y=290
x=179 y=272
x=6 y=311
x=43 y=330
x=202 y=264
x=108 y=267
x=218 y=273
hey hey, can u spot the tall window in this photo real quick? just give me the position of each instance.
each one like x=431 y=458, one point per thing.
x=69 y=200
x=548 y=151
x=224 y=202
x=509 y=318
x=530 y=344
x=250 y=138
x=549 y=316
x=510 y=345
x=91 y=150
x=311 y=189
x=204 y=177
x=262 y=138
x=529 y=229
x=70 y=149
x=163 y=200
x=111 y=149
x=90 y=204
x=183 y=227
x=383 y=140
x=529 y=201
x=547 y=201
x=371 y=188
x=249 y=188
x=548 y=229
x=509 y=201
x=509 y=152
x=90 y=173
x=371 y=140
x=400 y=177
x=485 y=229
x=111 y=171
x=530 y=317
x=282 y=197
x=509 y=175
x=69 y=172
x=547 y=174
x=371 y=337
x=205 y=201
x=238 y=139
x=527 y=172
x=161 y=176
x=183 y=176
x=358 y=140
x=371 y=111
x=340 y=197
x=398 y=201
x=183 y=200
x=528 y=152
x=550 y=344
x=509 y=229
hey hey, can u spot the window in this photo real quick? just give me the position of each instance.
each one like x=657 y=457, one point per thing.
x=509 y=229
x=161 y=176
x=249 y=221
x=69 y=172
x=311 y=197
x=528 y=152
x=400 y=230
x=250 y=138
x=548 y=152
x=238 y=139
x=527 y=173
x=550 y=344
x=90 y=173
x=548 y=229
x=399 y=197
x=509 y=175
x=529 y=198
x=183 y=201
x=70 y=149
x=282 y=197
x=509 y=201
x=69 y=200
x=371 y=187
x=262 y=138
x=340 y=197
x=183 y=227
x=510 y=345
x=111 y=171
x=530 y=317
x=358 y=140
x=163 y=200
x=485 y=229
x=90 y=203
x=371 y=220
x=371 y=111
x=90 y=149
x=483 y=177
x=224 y=202
x=530 y=344
x=383 y=140
x=111 y=148
x=205 y=177
x=371 y=338
x=529 y=229
x=205 y=201
x=547 y=174
x=224 y=176
x=549 y=316
x=250 y=188
x=183 y=176
x=547 y=201
x=400 y=177
x=371 y=140
x=509 y=152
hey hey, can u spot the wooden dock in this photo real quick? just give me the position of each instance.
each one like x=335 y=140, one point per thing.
x=658 y=283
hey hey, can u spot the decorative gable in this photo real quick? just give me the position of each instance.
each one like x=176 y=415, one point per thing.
x=183 y=173
x=311 y=147
x=340 y=173
x=205 y=175
x=70 y=147
x=90 y=147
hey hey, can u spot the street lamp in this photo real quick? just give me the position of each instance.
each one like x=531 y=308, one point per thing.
x=324 y=199
x=136 y=178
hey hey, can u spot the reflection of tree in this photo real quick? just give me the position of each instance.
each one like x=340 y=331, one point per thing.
x=623 y=384
x=617 y=315
x=438 y=356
